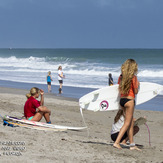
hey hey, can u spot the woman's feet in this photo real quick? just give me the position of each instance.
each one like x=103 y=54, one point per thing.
x=117 y=146
x=132 y=147
x=135 y=148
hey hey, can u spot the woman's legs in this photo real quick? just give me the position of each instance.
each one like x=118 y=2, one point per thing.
x=129 y=110
x=136 y=130
x=47 y=117
x=60 y=88
x=49 y=88
x=38 y=116
x=61 y=85
x=131 y=132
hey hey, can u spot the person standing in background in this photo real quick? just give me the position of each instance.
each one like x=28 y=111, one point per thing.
x=60 y=78
x=110 y=79
x=49 y=79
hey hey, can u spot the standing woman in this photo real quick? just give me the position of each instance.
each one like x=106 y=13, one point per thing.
x=60 y=78
x=49 y=79
x=128 y=88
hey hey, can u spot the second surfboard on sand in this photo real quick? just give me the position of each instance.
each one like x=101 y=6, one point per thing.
x=42 y=124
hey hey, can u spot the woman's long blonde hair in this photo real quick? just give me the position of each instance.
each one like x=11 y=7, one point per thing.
x=33 y=91
x=128 y=70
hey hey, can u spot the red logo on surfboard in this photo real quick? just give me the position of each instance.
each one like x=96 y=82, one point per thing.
x=104 y=105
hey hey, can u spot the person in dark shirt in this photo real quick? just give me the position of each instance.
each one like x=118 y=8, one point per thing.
x=110 y=79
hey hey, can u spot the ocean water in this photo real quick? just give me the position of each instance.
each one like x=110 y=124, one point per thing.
x=87 y=68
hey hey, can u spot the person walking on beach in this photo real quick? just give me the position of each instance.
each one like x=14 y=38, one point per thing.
x=110 y=79
x=34 y=110
x=117 y=125
x=49 y=79
x=60 y=78
x=128 y=88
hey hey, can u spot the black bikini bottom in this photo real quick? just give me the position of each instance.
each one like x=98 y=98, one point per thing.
x=123 y=101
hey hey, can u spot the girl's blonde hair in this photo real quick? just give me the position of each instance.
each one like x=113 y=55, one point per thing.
x=49 y=73
x=118 y=115
x=128 y=70
x=33 y=91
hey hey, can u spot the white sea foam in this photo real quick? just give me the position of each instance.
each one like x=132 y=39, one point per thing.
x=78 y=73
x=151 y=73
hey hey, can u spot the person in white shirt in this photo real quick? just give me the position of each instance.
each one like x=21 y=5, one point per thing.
x=60 y=78
x=117 y=125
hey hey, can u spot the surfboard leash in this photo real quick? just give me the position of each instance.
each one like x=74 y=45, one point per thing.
x=148 y=133
x=81 y=112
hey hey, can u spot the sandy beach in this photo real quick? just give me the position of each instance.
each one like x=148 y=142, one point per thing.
x=21 y=144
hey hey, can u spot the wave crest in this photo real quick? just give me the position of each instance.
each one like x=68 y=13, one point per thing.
x=82 y=71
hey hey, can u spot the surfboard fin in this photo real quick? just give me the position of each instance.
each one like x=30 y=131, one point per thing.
x=155 y=92
x=84 y=105
x=95 y=96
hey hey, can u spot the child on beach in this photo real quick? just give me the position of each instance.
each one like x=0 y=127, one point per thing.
x=49 y=79
x=128 y=87
x=116 y=127
x=34 y=109
x=110 y=79
x=60 y=78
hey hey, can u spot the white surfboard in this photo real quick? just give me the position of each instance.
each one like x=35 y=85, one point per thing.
x=106 y=99
x=16 y=124
x=42 y=124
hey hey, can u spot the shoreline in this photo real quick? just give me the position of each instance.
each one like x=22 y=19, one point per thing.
x=75 y=146
x=68 y=91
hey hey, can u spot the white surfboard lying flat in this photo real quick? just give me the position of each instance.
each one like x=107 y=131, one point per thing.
x=42 y=124
x=34 y=127
x=107 y=98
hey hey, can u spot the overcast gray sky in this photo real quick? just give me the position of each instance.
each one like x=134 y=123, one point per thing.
x=81 y=23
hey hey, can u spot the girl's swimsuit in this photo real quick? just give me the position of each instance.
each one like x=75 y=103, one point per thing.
x=123 y=101
x=48 y=80
x=30 y=118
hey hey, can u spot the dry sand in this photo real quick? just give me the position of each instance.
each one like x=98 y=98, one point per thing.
x=73 y=146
